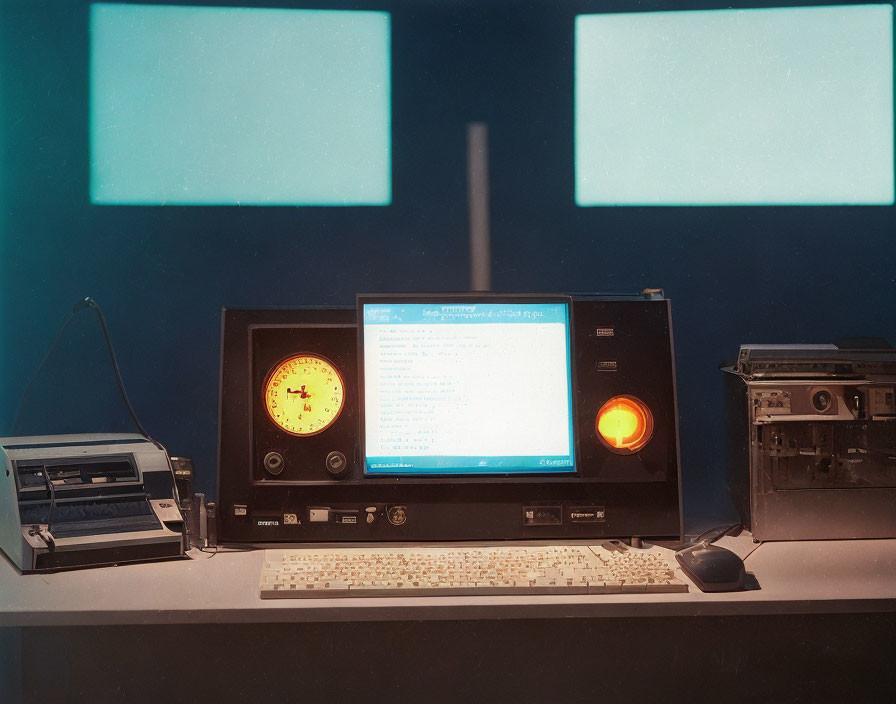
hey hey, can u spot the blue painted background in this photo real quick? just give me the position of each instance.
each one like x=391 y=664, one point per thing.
x=736 y=274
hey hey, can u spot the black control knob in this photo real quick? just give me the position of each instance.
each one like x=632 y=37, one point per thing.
x=273 y=463
x=336 y=463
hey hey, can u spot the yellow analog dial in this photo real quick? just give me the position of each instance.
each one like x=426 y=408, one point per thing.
x=304 y=394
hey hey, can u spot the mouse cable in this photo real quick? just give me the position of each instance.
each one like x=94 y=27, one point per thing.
x=755 y=548
x=77 y=308
x=719 y=532
x=709 y=536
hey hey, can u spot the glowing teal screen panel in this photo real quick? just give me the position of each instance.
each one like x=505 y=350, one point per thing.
x=227 y=106
x=735 y=107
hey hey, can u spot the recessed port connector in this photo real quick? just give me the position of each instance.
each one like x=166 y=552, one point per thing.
x=397 y=515
x=822 y=400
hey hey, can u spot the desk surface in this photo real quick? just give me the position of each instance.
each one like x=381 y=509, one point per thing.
x=794 y=578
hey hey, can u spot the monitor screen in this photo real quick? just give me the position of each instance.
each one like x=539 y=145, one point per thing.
x=239 y=106
x=735 y=107
x=478 y=386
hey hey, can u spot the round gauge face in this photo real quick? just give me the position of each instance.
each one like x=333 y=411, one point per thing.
x=304 y=394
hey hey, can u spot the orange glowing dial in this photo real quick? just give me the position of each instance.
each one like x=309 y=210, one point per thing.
x=304 y=394
x=624 y=424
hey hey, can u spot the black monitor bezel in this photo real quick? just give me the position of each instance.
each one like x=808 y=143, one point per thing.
x=363 y=299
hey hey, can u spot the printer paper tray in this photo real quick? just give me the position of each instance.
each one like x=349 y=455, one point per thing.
x=123 y=524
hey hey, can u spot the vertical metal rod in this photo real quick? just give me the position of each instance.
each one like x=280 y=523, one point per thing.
x=478 y=200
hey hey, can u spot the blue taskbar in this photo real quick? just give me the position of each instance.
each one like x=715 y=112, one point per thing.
x=467 y=388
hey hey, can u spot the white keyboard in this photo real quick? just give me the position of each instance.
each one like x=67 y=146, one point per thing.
x=436 y=571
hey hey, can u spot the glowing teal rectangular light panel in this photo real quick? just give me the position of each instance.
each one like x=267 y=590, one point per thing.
x=735 y=107
x=227 y=106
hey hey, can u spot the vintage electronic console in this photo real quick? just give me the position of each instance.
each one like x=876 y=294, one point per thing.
x=449 y=417
x=812 y=436
x=69 y=501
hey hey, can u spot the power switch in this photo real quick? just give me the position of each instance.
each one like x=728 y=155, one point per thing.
x=318 y=515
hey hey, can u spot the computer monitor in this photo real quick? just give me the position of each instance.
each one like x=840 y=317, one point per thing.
x=480 y=385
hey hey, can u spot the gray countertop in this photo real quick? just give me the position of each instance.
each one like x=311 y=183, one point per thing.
x=794 y=577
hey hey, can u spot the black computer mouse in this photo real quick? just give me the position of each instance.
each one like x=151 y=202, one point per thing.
x=711 y=568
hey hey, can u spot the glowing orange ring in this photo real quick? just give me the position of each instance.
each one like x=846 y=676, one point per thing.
x=624 y=424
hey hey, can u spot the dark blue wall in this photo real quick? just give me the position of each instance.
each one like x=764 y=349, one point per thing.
x=739 y=274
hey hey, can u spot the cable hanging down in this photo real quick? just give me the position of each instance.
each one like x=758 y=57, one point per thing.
x=83 y=304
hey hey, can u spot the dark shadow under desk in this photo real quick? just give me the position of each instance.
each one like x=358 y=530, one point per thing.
x=821 y=628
